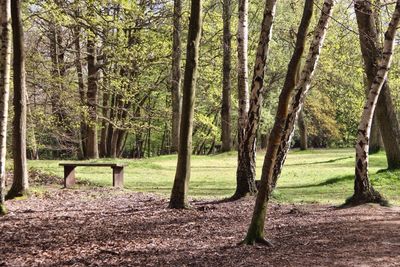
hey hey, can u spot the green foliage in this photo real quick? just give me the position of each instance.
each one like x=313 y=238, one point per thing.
x=134 y=43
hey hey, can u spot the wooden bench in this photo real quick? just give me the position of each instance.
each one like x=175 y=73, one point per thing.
x=69 y=172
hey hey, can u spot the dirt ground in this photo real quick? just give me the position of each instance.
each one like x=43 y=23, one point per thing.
x=104 y=227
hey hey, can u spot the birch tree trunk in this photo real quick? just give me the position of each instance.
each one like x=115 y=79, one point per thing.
x=20 y=183
x=363 y=190
x=255 y=233
x=385 y=113
x=5 y=61
x=178 y=198
x=176 y=75
x=243 y=172
x=248 y=125
x=302 y=88
x=226 y=79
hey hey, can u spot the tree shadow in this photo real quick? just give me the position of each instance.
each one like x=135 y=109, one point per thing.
x=330 y=181
x=320 y=162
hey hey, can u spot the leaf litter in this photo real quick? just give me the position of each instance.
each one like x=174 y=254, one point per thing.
x=109 y=227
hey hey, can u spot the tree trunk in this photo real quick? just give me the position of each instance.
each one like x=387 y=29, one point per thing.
x=363 y=190
x=255 y=232
x=32 y=143
x=389 y=127
x=5 y=61
x=248 y=122
x=302 y=89
x=181 y=183
x=104 y=125
x=246 y=166
x=92 y=97
x=110 y=128
x=385 y=113
x=20 y=183
x=58 y=73
x=226 y=79
x=302 y=130
x=264 y=141
x=176 y=76
x=375 y=141
x=81 y=88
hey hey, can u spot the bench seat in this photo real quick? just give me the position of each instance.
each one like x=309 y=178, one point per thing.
x=69 y=172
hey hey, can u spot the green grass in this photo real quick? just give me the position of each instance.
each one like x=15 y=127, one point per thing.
x=314 y=176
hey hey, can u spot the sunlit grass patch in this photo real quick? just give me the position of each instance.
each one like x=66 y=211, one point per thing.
x=313 y=176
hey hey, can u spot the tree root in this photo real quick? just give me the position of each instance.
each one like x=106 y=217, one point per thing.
x=239 y=196
x=12 y=194
x=371 y=196
x=256 y=241
x=180 y=206
x=3 y=209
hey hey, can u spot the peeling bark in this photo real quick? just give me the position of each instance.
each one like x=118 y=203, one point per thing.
x=363 y=189
x=248 y=126
x=385 y=113
x=5 y=62
x=255 y=233
x=246 y=160
x=302 y=88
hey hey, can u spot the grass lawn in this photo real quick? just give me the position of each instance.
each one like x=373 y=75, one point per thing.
x=314 y=176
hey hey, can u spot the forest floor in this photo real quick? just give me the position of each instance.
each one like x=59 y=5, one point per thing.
x=106 y=227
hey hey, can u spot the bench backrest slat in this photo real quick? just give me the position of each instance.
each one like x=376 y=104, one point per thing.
x=94 y=164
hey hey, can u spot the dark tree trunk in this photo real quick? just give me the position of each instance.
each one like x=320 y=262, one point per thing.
x=20 y=183
x=264 y=141
x=5 y=61
x=138 y=147
x=181 y=183
x=385 y=113
x=226 y=79
x=363 y=189
x=58 y=73
x=92 y=98
x=82 y=93
x=245 y=173
x=303 y=131
x=375 y=141
x=176 y=76
x=110 y=128
x=255 y=232
x=389 y=127
x=104 y=125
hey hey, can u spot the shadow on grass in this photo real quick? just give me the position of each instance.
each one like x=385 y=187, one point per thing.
x=320 y=162
x=330 y=181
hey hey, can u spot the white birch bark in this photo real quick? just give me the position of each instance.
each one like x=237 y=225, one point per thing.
x=246 y=169
x=303 y=86
x=243 y=86
x=363 y=190
x=5 y=61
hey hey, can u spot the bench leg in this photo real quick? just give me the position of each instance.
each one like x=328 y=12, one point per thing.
x=118 y=177
x=69 y=176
